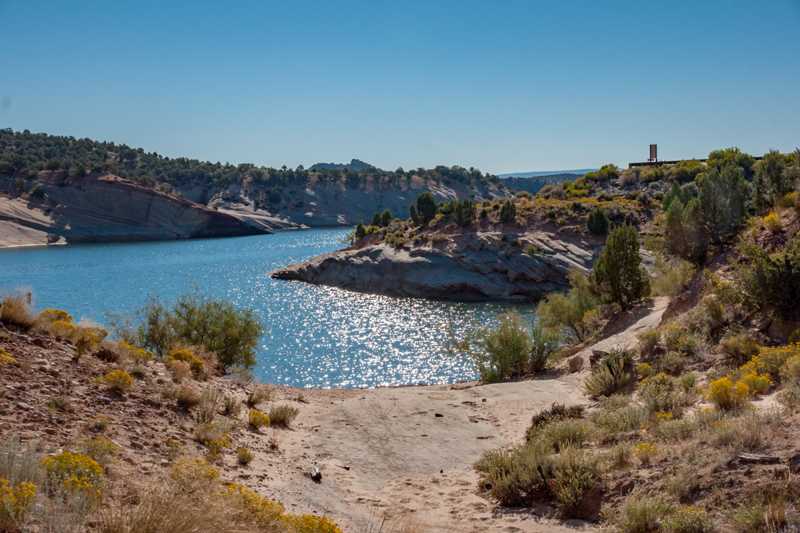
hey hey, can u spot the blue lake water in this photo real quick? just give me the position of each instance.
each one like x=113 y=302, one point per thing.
x=313 y=336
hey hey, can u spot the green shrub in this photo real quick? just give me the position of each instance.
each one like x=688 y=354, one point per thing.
x=723 y=194
x=648 y=341
x=561 y=434
x=672 y=276
x=424 y=210
x=739 y=347
x=611 y=374
x=518 y=476
x=543 y=344
x=571 y=314
x=772 y=280
x=553 y=413
x=575 y=475
x=505 y=350
x=662 y=393
x=618 y=272
x=642 y=514
x=613 y=419
x=217 y=326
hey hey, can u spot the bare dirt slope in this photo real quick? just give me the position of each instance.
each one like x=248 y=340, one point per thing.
x=407 y=453
x=401 y=454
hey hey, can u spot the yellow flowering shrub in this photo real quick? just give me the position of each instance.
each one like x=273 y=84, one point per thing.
x=726 y=394
x=6 y=358
x=263 y=511
x=645 y=452
x=772 y=222
x=771 y=359
x=188 y=356
x=118 y=381
x=756 y=383
x=257 y=419
x=664 y=416
x=309 y=523
x=52 y=315
x=137 y=354
x=62 y=328
x=15 y=502
x=75 y=471
x=644 y=370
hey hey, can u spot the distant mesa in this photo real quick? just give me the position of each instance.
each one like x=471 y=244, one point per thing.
x=533 y=181
x=356 y=165
x=546 y=173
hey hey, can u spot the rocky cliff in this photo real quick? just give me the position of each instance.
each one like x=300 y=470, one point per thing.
x=470 y=266
x=108 y=208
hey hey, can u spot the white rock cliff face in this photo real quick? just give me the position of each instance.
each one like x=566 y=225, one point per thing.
x=481 y=266
x=107 y=208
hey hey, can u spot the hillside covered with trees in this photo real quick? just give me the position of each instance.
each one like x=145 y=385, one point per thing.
x=325 y=194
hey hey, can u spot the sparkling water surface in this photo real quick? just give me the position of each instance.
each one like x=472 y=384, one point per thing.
x=313 y=336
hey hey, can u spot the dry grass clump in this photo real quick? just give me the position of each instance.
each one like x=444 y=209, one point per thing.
x=15 y=310
x=244 y=456
x=672 y=276
x=648 y=342
x=555 y=412
x=231 y=406
x=101 y=449
x=611 y=374
x=180 y=370
x=259 y=394
x=282 y=415
x=215 y=436
x=208 y=406
x=531 y=473
x=186 y=397
x=194 y=500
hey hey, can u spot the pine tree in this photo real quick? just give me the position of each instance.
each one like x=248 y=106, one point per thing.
x=618 y=272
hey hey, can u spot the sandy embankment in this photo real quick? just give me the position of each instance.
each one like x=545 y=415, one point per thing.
x=407 y=453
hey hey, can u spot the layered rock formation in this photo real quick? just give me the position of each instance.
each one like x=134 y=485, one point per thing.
x=473 y=266
x=108 y=208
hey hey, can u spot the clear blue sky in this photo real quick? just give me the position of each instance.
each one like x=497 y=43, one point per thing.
x=503 y=86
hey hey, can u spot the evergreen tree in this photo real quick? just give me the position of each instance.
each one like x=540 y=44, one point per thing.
x=694 y=232
x=771 y=181
x=508 y=212
x=386 y=218
x=597 y=222
x=360 y=233
x=426 y=207
x=674 y=235
x=618 y=272
x=723 y=201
